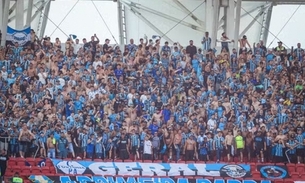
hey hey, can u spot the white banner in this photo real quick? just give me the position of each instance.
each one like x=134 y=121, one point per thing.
x=150 y=169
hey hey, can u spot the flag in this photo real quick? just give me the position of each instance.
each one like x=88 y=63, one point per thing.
x=42 y=163
x=27 y=163
x=22 y=37
x=40 y=179
x=73 y=36
x=163 y=149
x=156 y=37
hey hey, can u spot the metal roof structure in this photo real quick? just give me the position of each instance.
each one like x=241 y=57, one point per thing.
x=173 y=20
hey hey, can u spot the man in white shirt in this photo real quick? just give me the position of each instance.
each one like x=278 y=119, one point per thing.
x=143 y=97
x=4 y=73
x=97 y=62
x=147 y=151
x=130 y=97
x=76 y=46
x=212 y=123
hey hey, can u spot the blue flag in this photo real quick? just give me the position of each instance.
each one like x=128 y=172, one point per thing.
x=42 y=163
x=73 y=36
x=27 y=163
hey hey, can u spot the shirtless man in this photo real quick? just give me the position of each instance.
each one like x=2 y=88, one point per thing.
x=51 y=146
x=157 y=116
x=177 y=143
x=70 y=145
x=229 y=144
x=168 y=140
x=190 y=148
x=31 y=71
x=243 y=44
x=227 y=105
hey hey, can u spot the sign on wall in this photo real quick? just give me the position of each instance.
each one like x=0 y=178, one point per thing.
x=22 y=37
x=150 y=169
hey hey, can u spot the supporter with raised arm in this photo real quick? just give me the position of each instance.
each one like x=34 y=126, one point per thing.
x=173 y=96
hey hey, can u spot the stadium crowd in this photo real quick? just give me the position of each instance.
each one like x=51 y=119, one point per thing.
x=92 y=100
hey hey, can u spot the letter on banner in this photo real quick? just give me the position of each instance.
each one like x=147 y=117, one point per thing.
x=144 y=179
x=177 y=168
x=65 y=179
x=265 y=181
x=167 y=180
x=249 y=181
x=233 y=181
x=201 y=170
x=219 y=181
x=203 y=181
x=99 y=179
x=182 y=180
x=129 y=168
x=103 y=168
x=151 y=169
x=128 y=180
x=131 y=180
x=85 y=179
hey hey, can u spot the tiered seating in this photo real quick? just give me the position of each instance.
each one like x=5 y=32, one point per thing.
x=19 y=165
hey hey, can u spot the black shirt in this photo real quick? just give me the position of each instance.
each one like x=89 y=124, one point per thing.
x=116 y=105
x=192 y=50
x=105 y=48
x=3 y=160
x=93 y=45
x=259 y=141
x=123 y=143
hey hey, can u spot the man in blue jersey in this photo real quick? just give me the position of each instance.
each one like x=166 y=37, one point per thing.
x=300 y=148
x=259 y=146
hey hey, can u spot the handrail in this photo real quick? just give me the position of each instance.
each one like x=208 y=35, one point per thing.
x=286 y=152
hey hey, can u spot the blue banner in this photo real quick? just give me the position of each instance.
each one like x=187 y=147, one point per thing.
x=151 y=169
x=22 y=37
x=119 y=179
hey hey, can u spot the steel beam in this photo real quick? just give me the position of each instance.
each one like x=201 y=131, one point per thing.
x=237 y=23
x=39 y=9
x=29 y=13
x=216 y=8
x=266 y=26
x=6 y=7
x=139 y=15
x=44 y=20
x=163 y=15
x=11 y=18
x=186 y=10
x=255 y=9
x=1 y=14
x=254 y=20
x=279 y=1
x=12 y=9
x=230 y=19
x=19 y=14
x=120 y=23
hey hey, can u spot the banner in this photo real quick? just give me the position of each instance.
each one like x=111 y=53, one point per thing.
x=22 y=37
x=150 y=169
x=273 y=171
x=100 y=179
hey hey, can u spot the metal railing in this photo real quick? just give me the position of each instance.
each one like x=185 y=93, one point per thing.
x=286 y=152
x=7 y=145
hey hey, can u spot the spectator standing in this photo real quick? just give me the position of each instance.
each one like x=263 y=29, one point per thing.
x=3 y=163
x=191 y=50
x=206 y=42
